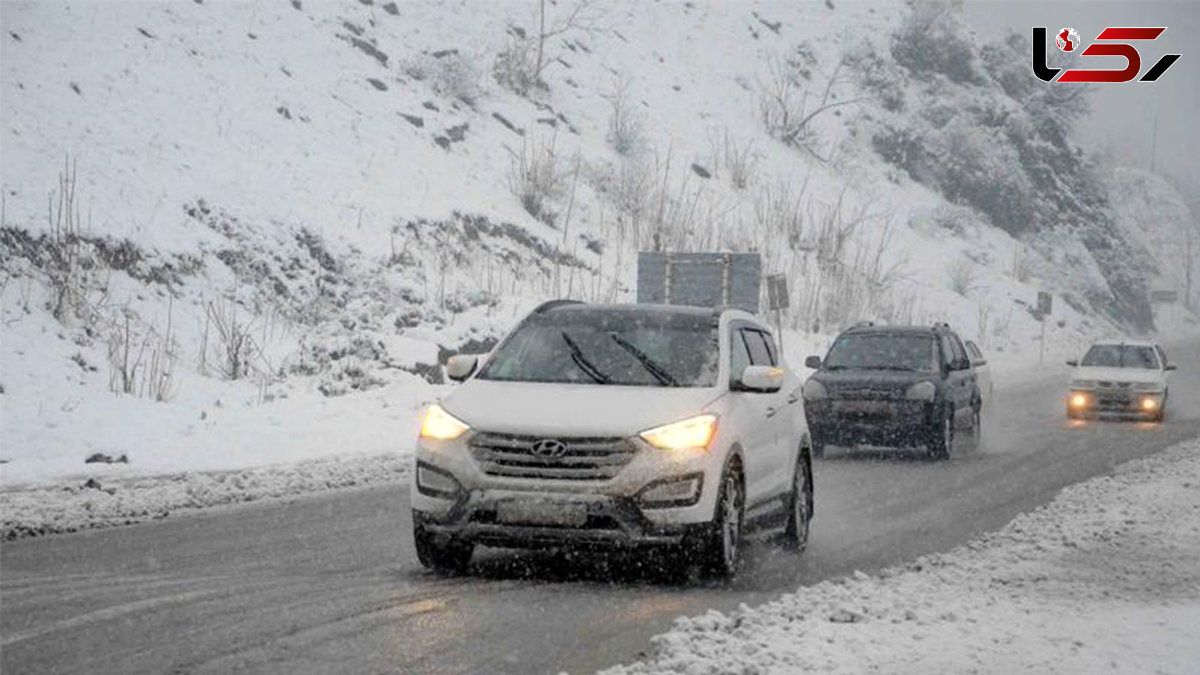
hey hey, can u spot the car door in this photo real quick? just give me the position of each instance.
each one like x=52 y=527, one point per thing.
x=778 y=457
x=751 y=413
x=982 y=371
x=960 y=380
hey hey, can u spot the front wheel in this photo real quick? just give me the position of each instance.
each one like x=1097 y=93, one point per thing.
x=723 y=550
x=941 y=437
x=800 y=514
x=444 y=557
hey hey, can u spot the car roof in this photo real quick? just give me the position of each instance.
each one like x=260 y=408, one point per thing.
x=1128 y=343
x=557 y=306
x=896 y=330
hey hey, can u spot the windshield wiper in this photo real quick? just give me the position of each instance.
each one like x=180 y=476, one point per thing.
x=661 y=374
x=580 y=360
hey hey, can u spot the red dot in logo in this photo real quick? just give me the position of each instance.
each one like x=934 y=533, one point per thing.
x=1067 y=39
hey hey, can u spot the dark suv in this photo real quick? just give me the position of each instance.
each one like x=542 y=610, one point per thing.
x=899 y=386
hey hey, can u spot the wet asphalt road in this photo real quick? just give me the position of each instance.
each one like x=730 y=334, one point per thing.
x=330 y=583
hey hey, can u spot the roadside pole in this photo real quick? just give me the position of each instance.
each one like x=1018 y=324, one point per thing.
x=1045 y=304
x=777 y=299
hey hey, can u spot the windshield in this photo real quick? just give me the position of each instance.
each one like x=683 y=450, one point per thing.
x=883 y=351
x=610 y=348
x=1121 y=356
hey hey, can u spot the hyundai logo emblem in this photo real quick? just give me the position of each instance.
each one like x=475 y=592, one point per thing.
x=549 y=448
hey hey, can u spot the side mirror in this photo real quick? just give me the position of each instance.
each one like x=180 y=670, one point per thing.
x=1073 y=363
x=762 y=379
x=461 y=366
x=813 y=362
x=1170 y=366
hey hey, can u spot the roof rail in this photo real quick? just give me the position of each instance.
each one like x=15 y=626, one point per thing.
x=551 y=304
x=864 y=324
x=941 y=324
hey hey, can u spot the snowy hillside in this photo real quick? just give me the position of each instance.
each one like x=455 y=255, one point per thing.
x=244 y=233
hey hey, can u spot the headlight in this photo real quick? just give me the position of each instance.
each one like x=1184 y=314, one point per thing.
x=921 y=391
x=441 y=425
x=694 y=432
x=1083 y=384
x=1147 y=386
x=814 y=391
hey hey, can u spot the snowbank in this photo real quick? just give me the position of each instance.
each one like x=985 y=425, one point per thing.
x=1103 y=579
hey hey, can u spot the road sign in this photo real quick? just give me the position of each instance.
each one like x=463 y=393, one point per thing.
x=700 y=279
x=1045 y=304
x=777 y=292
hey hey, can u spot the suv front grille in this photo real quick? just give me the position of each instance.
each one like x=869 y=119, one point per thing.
x=513 y=456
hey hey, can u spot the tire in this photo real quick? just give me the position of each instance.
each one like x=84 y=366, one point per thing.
x=818 y=448
x=445 y=558
x=977 y=422
x=795 y=535
x=722 y=552
x=941 y=438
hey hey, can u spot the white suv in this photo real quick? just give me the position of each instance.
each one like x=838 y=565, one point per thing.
x=1127 y=377
x=616 y=426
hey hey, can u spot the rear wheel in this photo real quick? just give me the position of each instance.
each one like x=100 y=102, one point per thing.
x=450 y=557
x=723 y=550
x=941 y=437
x=800 y=513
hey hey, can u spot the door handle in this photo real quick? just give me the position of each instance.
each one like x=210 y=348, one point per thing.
x=771 y=411
x=793 y=398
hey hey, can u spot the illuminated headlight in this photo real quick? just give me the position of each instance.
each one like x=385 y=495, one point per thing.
x=1149 y=403
x=692 y=433
x=1078 y=400
x=434 y=482
x=1147 y=386
x=921 y=391
x=1083 y=384
x=440 y=425
x=814 y=391
x=683 y=491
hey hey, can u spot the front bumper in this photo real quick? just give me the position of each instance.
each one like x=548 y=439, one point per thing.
x=458 y=495
x=1115 y=402
x=896 y=423
x=608 y=523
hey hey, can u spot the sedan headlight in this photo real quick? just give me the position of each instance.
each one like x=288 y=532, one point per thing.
x=694 y=432
x=921 y=391
x=441 y=425
x=814 y=391
x=1147 y=386
x=1083 y=384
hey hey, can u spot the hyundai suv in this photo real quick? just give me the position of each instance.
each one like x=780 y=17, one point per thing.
x=616 y=426
x=892 y=386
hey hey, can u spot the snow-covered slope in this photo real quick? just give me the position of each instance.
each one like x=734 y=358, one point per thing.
x=349 y=192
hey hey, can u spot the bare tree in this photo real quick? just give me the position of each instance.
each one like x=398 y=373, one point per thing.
x=521 y=64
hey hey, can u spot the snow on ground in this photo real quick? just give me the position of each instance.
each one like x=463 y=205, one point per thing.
x=1104 y=579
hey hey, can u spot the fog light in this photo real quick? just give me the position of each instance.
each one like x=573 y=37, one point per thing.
x=434 y=482
x=1149 y=404
x=1078 y=401
x=683 y=491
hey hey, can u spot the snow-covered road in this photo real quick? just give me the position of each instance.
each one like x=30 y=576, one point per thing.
x=330 y=582
x=1103 y=579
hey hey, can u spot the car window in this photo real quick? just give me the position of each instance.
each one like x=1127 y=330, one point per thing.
x=759 y=355
x=973 y=350
x=883 y=351
x=1121 y=356
x=956 y=347
x=739 y=355
x=770 y=340
x=605 y=347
